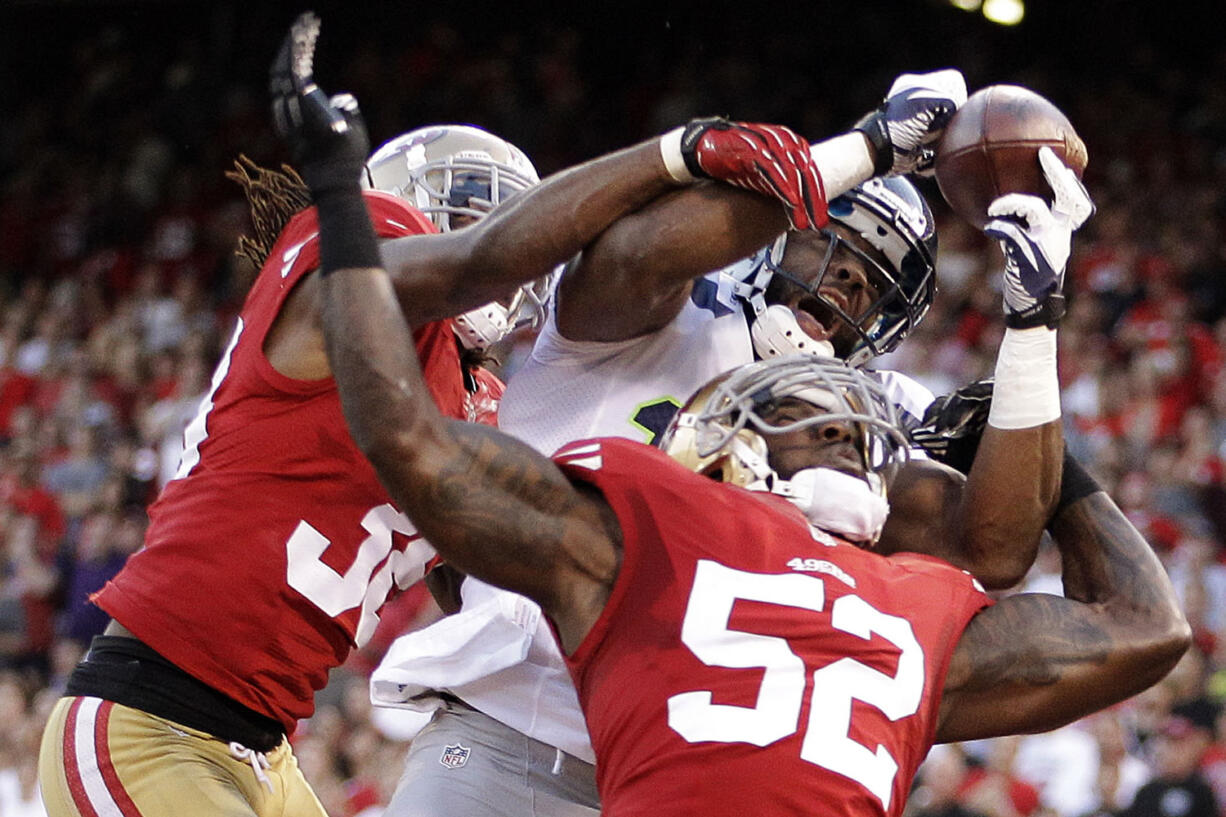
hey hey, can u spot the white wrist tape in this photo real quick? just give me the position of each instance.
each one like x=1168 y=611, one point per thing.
x=843 y=162
x=1027 y=390
x=670 y=152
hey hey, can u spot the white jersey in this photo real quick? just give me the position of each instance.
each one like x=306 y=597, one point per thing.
x=571 y=390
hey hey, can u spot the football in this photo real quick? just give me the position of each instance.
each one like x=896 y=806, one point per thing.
x=991 y=147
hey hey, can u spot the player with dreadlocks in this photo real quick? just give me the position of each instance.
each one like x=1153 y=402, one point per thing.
x=274 y=196
x=271 y=552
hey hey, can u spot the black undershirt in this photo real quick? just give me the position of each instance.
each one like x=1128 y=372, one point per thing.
x=128 y=672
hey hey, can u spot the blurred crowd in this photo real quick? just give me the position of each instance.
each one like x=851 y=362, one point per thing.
x=118 y=282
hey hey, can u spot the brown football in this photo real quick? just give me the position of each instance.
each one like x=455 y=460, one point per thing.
x=991 y=147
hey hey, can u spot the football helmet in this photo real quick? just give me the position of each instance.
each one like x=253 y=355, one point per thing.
x=890 y=215
x=448 y=171
x=722 y=432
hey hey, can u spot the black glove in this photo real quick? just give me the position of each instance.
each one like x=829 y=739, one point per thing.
x=326 y=137
x=953 y=424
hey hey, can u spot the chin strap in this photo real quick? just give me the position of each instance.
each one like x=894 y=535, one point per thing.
x=837 y=502
x=774 y=329
x=776 y=333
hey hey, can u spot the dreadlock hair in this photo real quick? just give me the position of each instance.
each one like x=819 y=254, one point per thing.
x=472 y=358
x=274 y=197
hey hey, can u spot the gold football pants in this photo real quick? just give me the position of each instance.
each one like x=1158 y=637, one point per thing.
x=102 y=759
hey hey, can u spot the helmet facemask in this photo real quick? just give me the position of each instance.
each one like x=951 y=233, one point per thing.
x=469 y=183
x=872 y=326
x=894 y=240
x=724 y=430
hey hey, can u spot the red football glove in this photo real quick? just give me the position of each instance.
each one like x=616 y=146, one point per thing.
x=768 y=159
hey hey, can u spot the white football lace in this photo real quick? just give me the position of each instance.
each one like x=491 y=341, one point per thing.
x=258 y=760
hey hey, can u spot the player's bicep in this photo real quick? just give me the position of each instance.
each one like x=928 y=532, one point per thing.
x=499 y=510
x=435 y=276
x=647 y=260
x=1031 y=663
x=610 y=273
x=924 y=501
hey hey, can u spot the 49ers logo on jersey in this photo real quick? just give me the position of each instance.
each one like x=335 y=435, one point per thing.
x=821 y=566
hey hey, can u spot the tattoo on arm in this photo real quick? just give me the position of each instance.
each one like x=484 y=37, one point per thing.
x=489 y=504
x=507 y=514
x=1105 y=557
x=1037 y=661
x=1055 y=641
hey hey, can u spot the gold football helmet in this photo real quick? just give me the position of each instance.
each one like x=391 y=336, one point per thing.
x=722 y=432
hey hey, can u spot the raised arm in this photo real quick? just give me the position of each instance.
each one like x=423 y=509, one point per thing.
x=989 y=525
x=489 y=504
x=1034 y=662
x=549 y=224
x=992 y=526
x=1012 y=487
x=650 y=257
x=526 y=237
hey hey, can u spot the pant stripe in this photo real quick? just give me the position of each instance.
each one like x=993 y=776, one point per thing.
x=102 y=749
x=72 y=773
x=85 y=755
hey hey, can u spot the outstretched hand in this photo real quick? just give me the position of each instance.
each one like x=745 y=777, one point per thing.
x=326 y=137
x=905 y=128
x=1037 y=240
x=767 y=159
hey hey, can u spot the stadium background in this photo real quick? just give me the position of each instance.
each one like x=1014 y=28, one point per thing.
x=118 y=120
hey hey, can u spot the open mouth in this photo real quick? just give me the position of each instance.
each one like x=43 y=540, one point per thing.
x=815 y=318
x=836 y=296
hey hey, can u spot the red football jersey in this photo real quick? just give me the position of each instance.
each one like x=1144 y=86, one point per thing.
x=483 y=399
x=273 y=548
x=745 y=664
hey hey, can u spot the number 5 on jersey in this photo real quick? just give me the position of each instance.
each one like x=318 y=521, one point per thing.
x=776 y=715
x=361 y=584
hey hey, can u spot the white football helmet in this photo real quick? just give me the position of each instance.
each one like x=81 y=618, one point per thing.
x=461 y=170
x=721 y=432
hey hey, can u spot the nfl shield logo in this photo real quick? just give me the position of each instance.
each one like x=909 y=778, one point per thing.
x=454 y=756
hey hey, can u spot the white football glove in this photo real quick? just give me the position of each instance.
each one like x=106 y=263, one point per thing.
x=905 y=127
x=1037 y=241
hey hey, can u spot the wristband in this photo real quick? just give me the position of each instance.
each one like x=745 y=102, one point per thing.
x=1075 y=483
x=874 y=128
x=1027 y=392
x=842 y=163
x=674 y=160
x=346 y=236
x=1046 y=312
